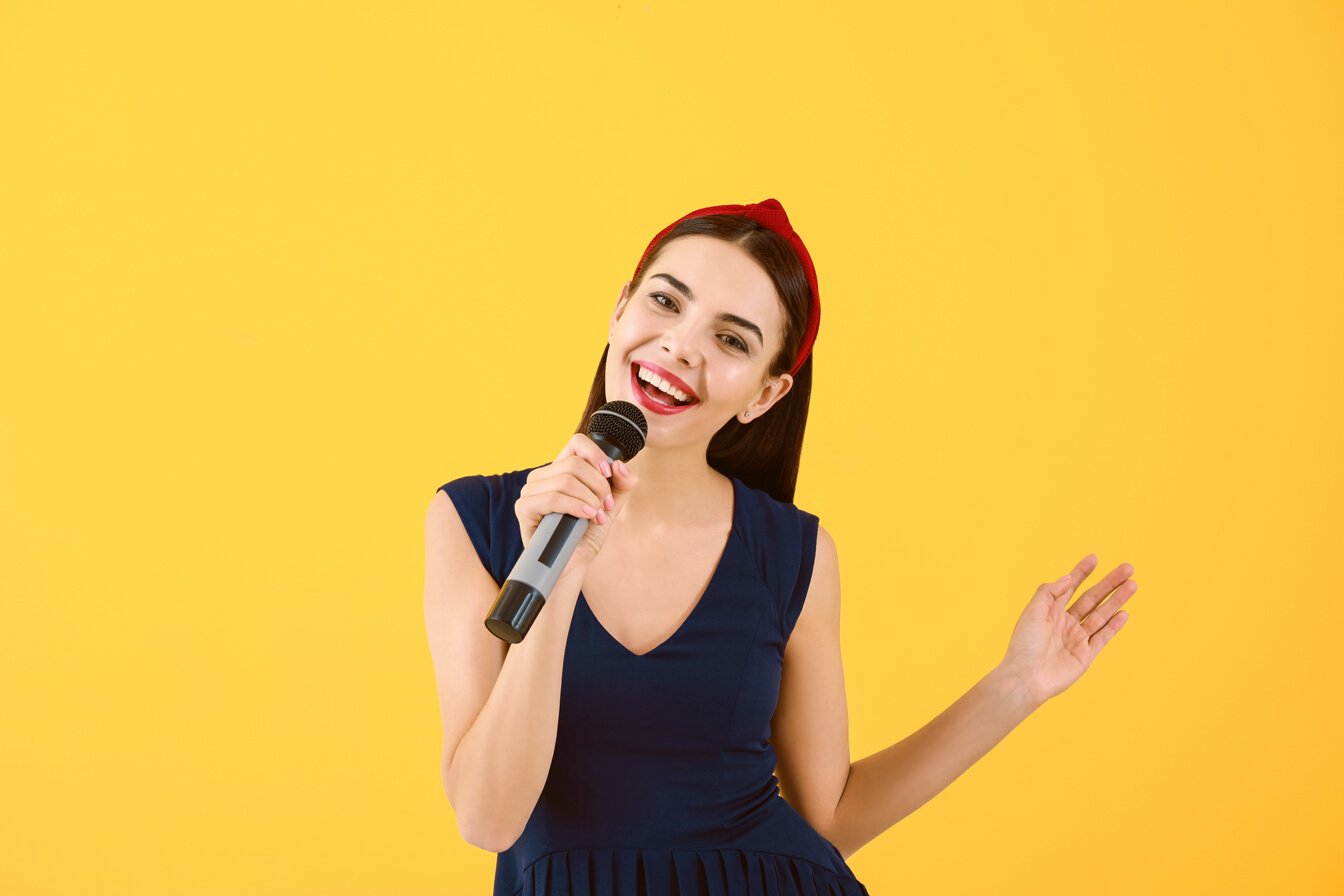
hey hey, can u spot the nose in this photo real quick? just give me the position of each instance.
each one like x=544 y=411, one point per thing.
x=679 y=342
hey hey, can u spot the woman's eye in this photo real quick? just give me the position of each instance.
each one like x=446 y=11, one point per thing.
x=729 y=338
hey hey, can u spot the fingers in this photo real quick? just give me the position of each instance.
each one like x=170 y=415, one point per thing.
x=572 y=475
x=1108 y=614
x=581 y=482
x=570 y=485
x=622 y=481
x=1081 y=570
x=1117 y=581
x=1099 y=638
x=575 y=483
x=580 y=445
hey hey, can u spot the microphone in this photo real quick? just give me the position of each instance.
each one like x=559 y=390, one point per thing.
x=619 y=429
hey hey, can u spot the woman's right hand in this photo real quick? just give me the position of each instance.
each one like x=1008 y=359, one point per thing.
x=576 y=483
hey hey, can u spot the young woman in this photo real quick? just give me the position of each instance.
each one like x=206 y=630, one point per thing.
x=675 y=720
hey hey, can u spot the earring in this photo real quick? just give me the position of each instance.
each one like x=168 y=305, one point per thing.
x=748 y=413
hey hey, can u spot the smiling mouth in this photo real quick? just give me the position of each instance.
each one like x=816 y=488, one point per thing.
x=652 y=386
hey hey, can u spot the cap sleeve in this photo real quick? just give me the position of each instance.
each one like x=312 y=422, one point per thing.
x=806 y=554
x=485 y=504
x=471 y=496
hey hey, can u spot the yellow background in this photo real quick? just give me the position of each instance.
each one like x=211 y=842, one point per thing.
x=273 y=272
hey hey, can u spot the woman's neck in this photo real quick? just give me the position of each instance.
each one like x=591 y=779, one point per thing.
x=675 y=487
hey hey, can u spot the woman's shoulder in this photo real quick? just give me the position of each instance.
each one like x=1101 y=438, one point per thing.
x=783 y=539
x=765 y=503
x=482 y=499
x=487 y=485
x=780 y=530
x=484 y=502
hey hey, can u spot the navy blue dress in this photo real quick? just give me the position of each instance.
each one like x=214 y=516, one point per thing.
x=662 y=782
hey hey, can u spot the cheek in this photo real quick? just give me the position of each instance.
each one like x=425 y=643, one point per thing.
x=736 y=387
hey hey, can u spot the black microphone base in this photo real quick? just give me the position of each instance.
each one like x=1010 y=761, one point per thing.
x=514 y=611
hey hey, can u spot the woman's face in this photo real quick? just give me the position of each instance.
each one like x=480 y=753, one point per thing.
x=707 y=319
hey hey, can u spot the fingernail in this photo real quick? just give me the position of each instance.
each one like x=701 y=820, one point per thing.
x=609 y=502
x=606 y=469
x=588 y=510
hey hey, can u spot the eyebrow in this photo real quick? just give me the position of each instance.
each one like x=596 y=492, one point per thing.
x=724 y=316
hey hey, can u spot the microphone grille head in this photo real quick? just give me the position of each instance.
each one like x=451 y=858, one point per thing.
x=622 y=424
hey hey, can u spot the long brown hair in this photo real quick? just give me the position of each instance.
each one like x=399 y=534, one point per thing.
x=765 y=452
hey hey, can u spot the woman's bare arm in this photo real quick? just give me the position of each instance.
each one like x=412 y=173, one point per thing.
x=499 y=702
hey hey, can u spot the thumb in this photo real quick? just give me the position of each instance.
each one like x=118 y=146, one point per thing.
x=1048 y=593
x=1061 y=587
x=622 y=480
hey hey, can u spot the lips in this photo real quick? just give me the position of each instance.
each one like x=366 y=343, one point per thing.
x=649 y=403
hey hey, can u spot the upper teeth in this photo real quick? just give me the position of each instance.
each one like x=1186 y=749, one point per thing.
x=649 y=376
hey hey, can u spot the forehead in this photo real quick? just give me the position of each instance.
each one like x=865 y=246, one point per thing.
x=722 y=274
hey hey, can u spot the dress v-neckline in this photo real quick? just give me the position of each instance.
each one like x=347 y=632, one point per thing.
x=704 y=596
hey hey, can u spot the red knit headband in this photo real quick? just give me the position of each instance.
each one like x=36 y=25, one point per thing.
x=772 y=215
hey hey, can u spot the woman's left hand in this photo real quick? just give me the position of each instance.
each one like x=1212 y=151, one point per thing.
x=1052 y=646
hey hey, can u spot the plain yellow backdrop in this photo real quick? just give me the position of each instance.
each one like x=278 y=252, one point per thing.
x=273 y=272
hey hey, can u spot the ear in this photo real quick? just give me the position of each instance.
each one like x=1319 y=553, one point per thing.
x=772 y=392
x=620 y=306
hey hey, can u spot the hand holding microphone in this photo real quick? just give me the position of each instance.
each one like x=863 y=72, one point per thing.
x=577 y=483
x=552 y=519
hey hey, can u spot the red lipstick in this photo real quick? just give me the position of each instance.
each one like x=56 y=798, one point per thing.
x=652 y=404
